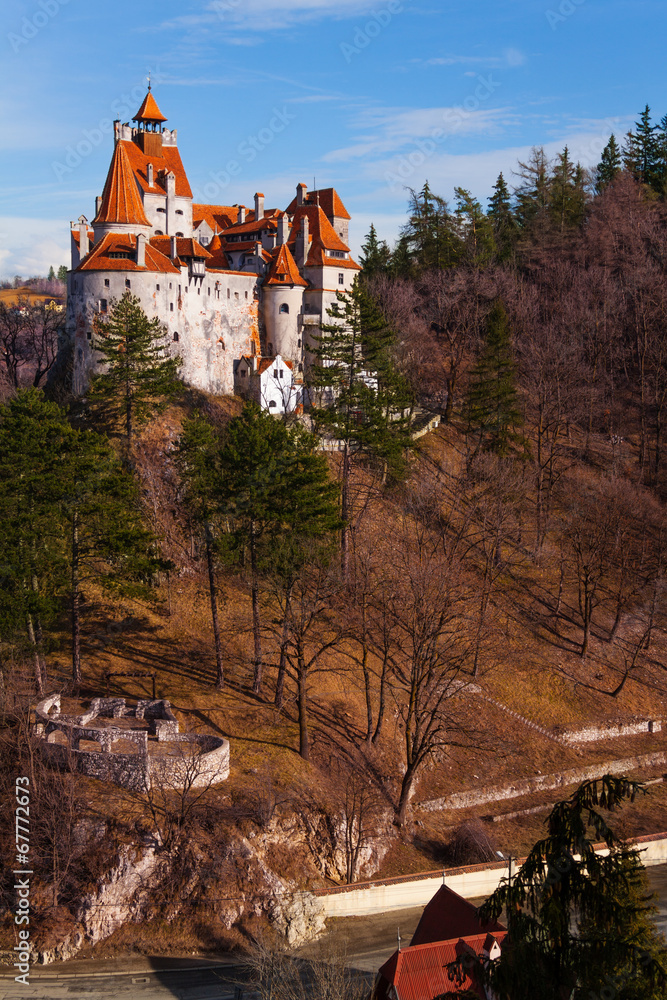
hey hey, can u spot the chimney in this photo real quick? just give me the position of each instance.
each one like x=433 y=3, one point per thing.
x=141 y=250
x=302 y=243
x=149 y=174
x=240 y=218
x=259 y=207
x=283 y=229
x=259 y=257
x=171 y=184
x=173 y=251
x=301 y=192
x=98 y=202
x=83 y=237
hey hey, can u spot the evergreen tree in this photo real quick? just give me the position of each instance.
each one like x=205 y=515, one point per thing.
x=566 y=193
x=360 y=398
x=502 y=219
x=660 y=183
x=609 y=166
x=139 y=377
x=197 y=459
x=400 y=263
x=578 y=920
x=430 y=232
x=475 y=231
x=375 y=255
x=492 y=409
x=532 y=195
x=62 y=273
x=641 y=154
x=51 y=275
x=106 y=538
x=33 y=437
x=271 y=482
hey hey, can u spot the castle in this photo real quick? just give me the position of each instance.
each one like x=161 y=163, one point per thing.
x=239 y=290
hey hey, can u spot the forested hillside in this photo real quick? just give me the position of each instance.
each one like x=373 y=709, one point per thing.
x=373 y=625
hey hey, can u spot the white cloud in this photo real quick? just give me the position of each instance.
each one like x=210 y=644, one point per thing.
x=389 y=130
x=510 y=58
x=31 y=246
x=272 y=15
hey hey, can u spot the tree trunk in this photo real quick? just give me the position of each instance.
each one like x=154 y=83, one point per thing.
x=220 y=675
x=282 y=665
x=345 y=513
x=76 y=617
x=303 y=704
x=257 y=635
x=39 y=679
x=404 y=798
x=381 y=706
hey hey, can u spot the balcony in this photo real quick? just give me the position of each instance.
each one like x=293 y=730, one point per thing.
x=197 y=268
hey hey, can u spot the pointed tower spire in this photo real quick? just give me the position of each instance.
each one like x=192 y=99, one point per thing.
x=149 y=113
x=121 y=208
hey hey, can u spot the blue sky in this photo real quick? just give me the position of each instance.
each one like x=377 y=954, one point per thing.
x=370 y=97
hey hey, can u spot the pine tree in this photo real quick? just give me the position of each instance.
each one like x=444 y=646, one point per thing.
x=197 y=459
x=609 y=166
x=62 y=273
x=430 y=232
x=492 y=409
x=139 y=377
x=532 y=195
x=577 y=919
x=375 y=255
x=271 y=482
x=400 y=264
x=51 y=275
x=106 y=539
x=641 y=154
x=566 y=193
x=33 y=437
x=359 y=396
x=503 y=220
x=474 y=230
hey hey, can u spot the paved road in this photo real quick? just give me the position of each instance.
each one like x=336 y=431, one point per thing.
x=365 y=942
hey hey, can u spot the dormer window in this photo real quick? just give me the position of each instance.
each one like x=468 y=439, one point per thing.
x=284 y=308
x=119 y=255
x=179 y=211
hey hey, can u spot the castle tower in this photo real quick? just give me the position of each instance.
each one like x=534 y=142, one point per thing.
x=121 y=208
x=282 y=307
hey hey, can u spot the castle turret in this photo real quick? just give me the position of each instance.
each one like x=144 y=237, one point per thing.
x=282 y=303
x=121 y=209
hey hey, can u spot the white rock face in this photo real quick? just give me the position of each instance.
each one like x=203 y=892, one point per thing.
x=299 y=918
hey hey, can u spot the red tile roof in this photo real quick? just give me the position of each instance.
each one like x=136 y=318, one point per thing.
x=421 y=972
x=121 y=201
x=242 y=227
x=283 y=269
x=149 y=111
x=265 y=363
x=322 y=236
x=217 y=216
x=328 y=201
x=77 y=236
x=99 y=260
x=169 y=160
x=449 y=915
x=185 y=246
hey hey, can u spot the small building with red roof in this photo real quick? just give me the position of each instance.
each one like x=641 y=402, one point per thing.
x=227 y=282
x=450 y=938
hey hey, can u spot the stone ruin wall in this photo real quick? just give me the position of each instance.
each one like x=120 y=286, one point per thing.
x=135 y=771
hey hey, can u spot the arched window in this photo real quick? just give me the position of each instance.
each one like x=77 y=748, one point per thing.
x=272 y=403
x=179 y=234
x=158 y=232
x=284 y=308
x=175 y=337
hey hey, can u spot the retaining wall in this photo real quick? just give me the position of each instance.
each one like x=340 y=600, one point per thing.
x=471 y=882
x=542 y=782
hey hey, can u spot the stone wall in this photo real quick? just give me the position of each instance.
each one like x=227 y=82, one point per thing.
x=543 y=782
x=183 y=758
x=611 y=731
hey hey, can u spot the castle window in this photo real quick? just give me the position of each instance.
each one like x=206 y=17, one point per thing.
x=157 y=288
x=170 y=286
x=162 y=209
x=281 y=373
x=236 y=295
x=208 y=290
x=128 y=284
x=158 y=232
x=88 y=335
x=229 y=293
x=175 y=337
x=106 y=282
x=103 y=305
x=199 y=291
x=284 y=308
x=171 y=307
x=298 y=343
x=243 y=373
x=179 y=234
x=272 y=403
x=179 y=211
x=341 y=279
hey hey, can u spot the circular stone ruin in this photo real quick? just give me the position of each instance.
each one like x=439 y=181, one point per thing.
x=133 y=746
